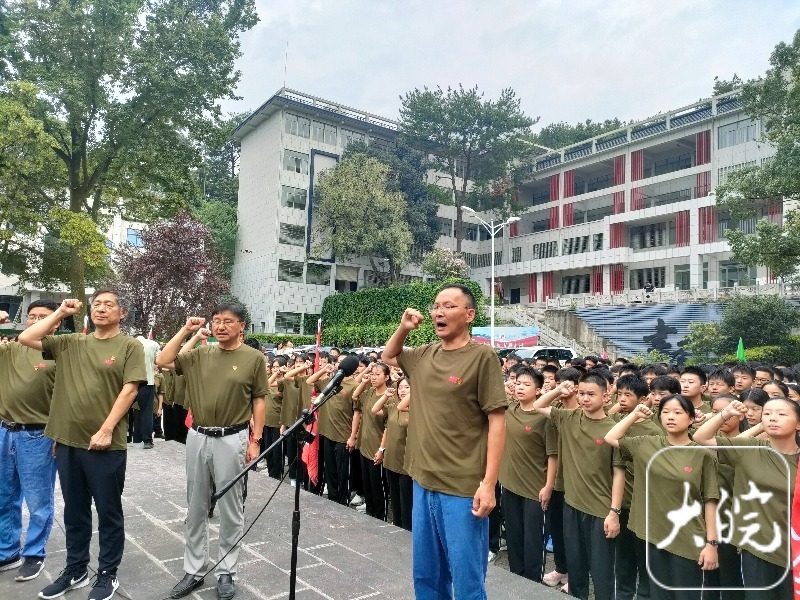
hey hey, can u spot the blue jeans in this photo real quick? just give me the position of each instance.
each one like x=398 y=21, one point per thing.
x=27 y=472
x=450 y=547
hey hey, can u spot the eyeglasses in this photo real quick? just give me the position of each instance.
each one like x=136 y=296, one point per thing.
x=37 y=317
x=226 y=322
x=761 y=379
x=435 y=307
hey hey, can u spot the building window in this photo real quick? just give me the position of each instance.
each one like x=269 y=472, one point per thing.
x=297 y=125
x=135 y=237
x=294 y=235
x=286 y=322
x=650 y=236
x=722 y=172
x=323 y=132
x=297 y=162
x=384 y=145
x=293 y=197
x=317 y=274
x=682 y=277
x=737 y=133
x=348 y=137
x=545 y=250
x=576 y=245
x=597 y=241
x=290 y=270
x=516 y=254
x=576 y=284
x=656 y=275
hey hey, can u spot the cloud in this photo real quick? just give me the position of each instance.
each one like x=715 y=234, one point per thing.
x=566 y=60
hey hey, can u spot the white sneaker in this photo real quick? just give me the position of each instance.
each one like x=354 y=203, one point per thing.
x=361 y=508
x=293 y=482
x=554 y=578
x=492 y=556
x=357 y=500
x=325 y=490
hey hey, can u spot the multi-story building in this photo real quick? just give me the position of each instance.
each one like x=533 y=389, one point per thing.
x=602 y=216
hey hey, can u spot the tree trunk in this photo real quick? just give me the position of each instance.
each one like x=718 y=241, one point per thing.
x=77 y=285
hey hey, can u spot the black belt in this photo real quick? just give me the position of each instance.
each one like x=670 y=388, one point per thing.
x=220 y=431
x=22 y=427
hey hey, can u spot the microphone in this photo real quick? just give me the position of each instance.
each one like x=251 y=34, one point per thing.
x=346 y=368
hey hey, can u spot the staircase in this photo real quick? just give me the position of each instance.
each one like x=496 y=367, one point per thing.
x=528 y=317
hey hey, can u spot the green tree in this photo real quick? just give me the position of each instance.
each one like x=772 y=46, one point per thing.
x=220 y=218
x=219 y=173
x=471 y=141
x=407 y=175
x=775 y=98
x=121 y=83
x=723 y=86
x=759 y=321
x=703 y=342
x=441 y=264
x=558 y=135
x=360 y=214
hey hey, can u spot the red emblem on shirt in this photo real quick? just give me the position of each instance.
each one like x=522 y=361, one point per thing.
x=599 y=441
x=454 y=379
x=110 y=361
x=527 y=427
x=41 y=365
x=687 y=469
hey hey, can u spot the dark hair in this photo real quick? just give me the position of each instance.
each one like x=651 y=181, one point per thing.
x=635 y=384
x=795 y=407
x=578 y=362
x=665 y=383
x=365 y=360
x=656 y=370
x=793 y=386
x=234 y=308
x=513 y=356
x=622 y=360
x=629 y=368
x=766 y=369
x=384 y=367
x=595 y=378
x=325 y=355
x=729 y=397
x=593 y=358
x=724 y=375
x=603 y=372
x=674 y=369
x=685 y=405
x=780 y=385
x=745 y=369
x=50 y=305
x=252 y=342
x=696 y=371
x=568 y=374
x=281 y=360
x=533 y=374
x=471 y=302
x=549 y=369
x=517 y=368
x=755 y=395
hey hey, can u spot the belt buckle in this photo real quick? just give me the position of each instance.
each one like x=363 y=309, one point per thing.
x=215 y=431
x=12 y=426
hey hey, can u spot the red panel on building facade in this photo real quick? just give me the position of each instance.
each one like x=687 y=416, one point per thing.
x=619 y=202
x=703 y=148
x=555 y=187
x=682 y=228
x=547 y=285
x=775 y=211
x=597 y=279
x=619 y=169
x=617 y=232
x=703 y=185
x=553 y=217
x=637 y=198
x=569 y=183
x=533 y=282
x=708 y=224
x=637 y=165
x=513 y=230
x=617 y=279
x=569 y=214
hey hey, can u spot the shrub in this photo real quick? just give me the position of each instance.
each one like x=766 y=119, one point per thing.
x=267 y=339
x=442 y=264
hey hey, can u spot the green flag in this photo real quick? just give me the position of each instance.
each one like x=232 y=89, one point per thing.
x=740 y=351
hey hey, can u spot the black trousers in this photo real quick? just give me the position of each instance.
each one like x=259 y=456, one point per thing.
x=401 y=495
x=496 y=520
x=175 y=423
x=555 y=528
x=337 y=470
x=588 y=551
x=524 y=535
x=760 y=573
x=356 y=480
x=672 y=570
x=729 y=576
x=275 y=458
x=143 y=429
x=374 y=493
x=631 y=563
x=86 y=476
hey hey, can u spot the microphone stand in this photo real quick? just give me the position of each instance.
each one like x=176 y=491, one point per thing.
x=302 y=436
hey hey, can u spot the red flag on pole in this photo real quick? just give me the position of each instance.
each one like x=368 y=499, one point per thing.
x=150 y=334
x=85 y=324
x=311 y=451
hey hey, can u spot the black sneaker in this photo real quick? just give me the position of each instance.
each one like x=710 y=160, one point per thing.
x=104 y=587
x=10 y=563
x=147 y=445
x=68 y=580
x=30 y=569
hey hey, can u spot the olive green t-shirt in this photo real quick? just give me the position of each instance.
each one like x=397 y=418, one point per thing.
x=453 y=391
x=272 y=417
x=175 y=388
x=26 y=384
x=523 y=468
x=90 y=375
x=221 y=384
x=585 y=459
x=335 y=416
x=760 y=472
x=646 y=427
x=659 y=495
x=396 y=432
x=370 y=433
x=305 y=393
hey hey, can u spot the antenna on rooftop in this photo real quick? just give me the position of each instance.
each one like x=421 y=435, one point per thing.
x=285 y=63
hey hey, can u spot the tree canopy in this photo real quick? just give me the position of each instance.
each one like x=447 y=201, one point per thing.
x=558 y=135
x=121 y=88
x=361 y=214
x=481 y=147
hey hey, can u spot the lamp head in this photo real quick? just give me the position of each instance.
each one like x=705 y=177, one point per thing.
x=468 y=209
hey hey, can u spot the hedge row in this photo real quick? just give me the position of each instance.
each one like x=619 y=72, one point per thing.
x=347 y=336
x=279 y=338
x=786 y=353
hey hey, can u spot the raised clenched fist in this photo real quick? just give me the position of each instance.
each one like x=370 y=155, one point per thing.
x=70 y=306
x=194 y=324
x=412 y=319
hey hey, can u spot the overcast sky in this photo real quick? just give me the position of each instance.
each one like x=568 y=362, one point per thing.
x=567 y=60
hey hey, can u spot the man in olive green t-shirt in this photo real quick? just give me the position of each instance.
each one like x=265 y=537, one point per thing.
x=27 y=464
x=226 y=385
x=456 y=435
x=96 y=382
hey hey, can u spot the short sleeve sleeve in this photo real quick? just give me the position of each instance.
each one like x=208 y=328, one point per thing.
x=729 y=453
x=491 y=391
x=550 y=439
x=185 y=361
x=135 y=370
x=628 y=447
x=710 y=477
x=53 y=345
x=617 y=460
x=556 y=416
x=261 y=380
x=408 y=359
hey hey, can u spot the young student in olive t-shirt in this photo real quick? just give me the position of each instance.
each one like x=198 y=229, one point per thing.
x=681 y=544
x=456 y=435
x=523 y=475
x=97 y=379
x=631 y=556
x=693 y=387
x=27 y=464
x=226 y=386
x=593 y=489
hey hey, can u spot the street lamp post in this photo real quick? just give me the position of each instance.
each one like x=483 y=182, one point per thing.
x=493 y=231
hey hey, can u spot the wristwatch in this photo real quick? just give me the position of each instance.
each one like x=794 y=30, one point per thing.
x=712 y=543
x=382 y=450
x=255 y=441
x=617 y=511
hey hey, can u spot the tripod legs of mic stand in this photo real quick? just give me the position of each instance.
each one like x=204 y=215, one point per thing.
x=295 y=523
